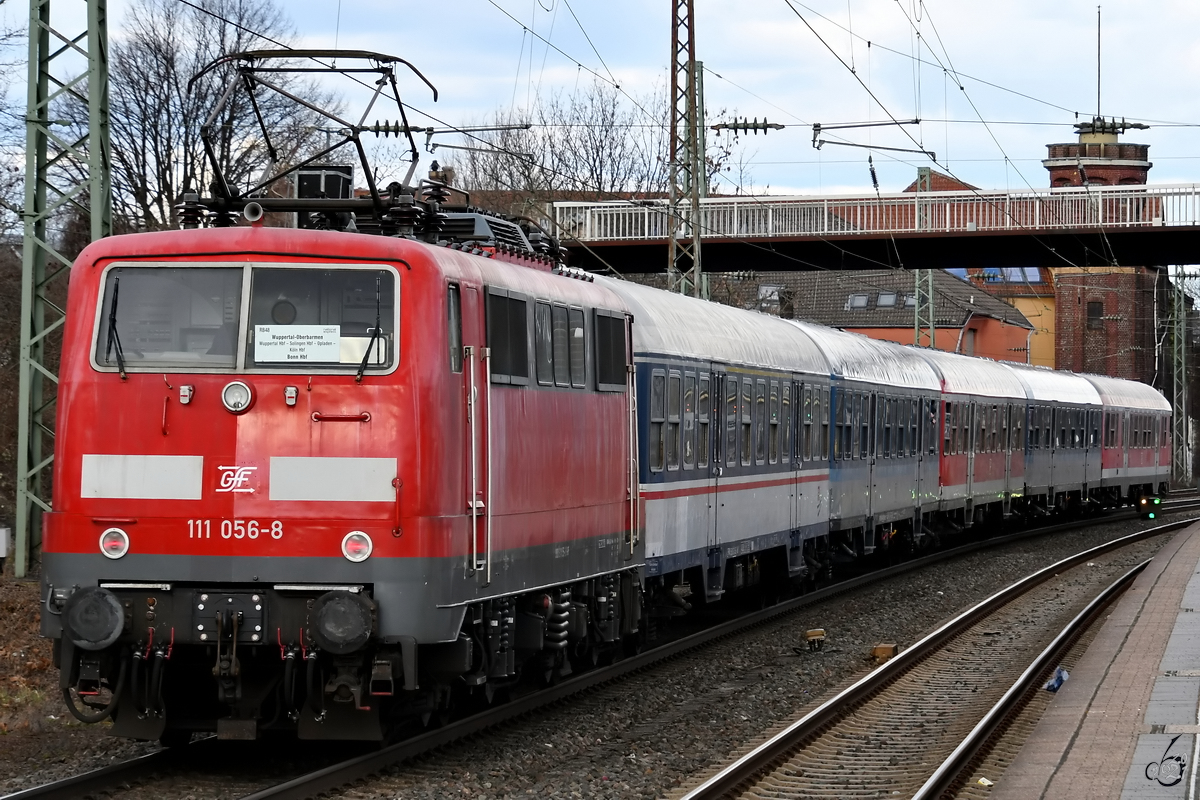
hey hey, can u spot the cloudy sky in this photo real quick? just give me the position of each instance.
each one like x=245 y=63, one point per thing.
x=1026 y=67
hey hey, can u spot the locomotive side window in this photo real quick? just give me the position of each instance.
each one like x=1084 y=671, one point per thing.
x=508 y=336
x=689 y=420
x=610 y=351
x=543 y=344
x=562 y=366
x=330 y=317
x=454 y=327
x=658 y=415
x=578 y=347
x=702 y=429
x=170 y=317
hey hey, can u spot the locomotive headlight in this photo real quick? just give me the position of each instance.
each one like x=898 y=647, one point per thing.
x=114 y=543
x=92 y=617
x=237 y=396
x=357 y=546
x=341 y=622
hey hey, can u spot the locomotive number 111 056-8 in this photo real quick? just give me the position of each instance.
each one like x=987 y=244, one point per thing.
x=234 y=528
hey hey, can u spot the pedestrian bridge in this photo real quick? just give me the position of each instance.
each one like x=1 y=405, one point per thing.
x=1082 y=226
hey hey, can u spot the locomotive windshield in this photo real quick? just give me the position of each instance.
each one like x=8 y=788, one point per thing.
x=194 y=317
x=170 y=317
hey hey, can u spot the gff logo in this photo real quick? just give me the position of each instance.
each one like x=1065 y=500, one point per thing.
x=234 y=479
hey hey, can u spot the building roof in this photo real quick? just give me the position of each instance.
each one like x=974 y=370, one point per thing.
x=941 y=182
x=886 y=299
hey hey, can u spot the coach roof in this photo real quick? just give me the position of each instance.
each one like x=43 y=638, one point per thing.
x=853 y=356
x=1044 y=385
x=665 y=323
x=1128 y=394
x=976 y=376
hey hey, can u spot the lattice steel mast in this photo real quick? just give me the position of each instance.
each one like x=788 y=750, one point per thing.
x=62 y=68
x=688 y=176
x=1181 y=451
x=924 y=325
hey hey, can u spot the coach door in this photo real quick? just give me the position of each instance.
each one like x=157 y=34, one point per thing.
x=477 y=407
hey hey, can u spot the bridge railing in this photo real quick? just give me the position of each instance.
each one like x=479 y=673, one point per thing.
x=951 y=212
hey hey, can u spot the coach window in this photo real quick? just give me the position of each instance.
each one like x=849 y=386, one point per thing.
x=658 y=416
x=931 y=419
x=672 y=427
x=702 y=416
x=785 y=449
x=776 y=429
x=1048 y=427
x=885 y=439
x=914 y=424
x=747 y=409
x=864 y=425
x=807 y=425
x=689 y=420
x=760 y=422
x=838 y=404
x=731 y=420
x=948 y=430
x=543 y=344
x=853 y=409
x=454 y=327
x=824 y=423
x=508 y=336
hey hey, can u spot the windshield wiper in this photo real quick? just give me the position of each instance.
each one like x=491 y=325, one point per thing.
x=114 y=339
x=374 y=334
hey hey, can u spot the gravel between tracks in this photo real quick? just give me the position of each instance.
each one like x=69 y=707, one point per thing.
x=644 y=736
x=641 y=737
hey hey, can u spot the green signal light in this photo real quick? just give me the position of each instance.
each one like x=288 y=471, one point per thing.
x=1151 y=515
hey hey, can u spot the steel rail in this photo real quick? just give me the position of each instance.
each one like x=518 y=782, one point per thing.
x=346 y=772
x=99 y=780
x=749 y=766
x=950 y=771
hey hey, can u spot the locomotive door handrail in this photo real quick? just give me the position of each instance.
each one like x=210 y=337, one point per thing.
x=474 y=503
x=631 y=402
x=486 y=354
x=473 y=490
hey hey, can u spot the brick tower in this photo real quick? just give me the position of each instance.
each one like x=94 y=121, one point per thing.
x=1099 y=158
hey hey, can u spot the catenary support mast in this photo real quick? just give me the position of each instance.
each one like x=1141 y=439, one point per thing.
x=64 y=71
x=688 y=176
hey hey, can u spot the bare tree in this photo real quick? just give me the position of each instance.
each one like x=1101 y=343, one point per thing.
x=595 y=141
x=156 y=116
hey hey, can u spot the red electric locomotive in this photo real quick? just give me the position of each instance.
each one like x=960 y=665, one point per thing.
x=302 y=478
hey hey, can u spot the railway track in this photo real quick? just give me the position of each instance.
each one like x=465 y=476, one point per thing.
x=201 y=761
x=915 y=724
